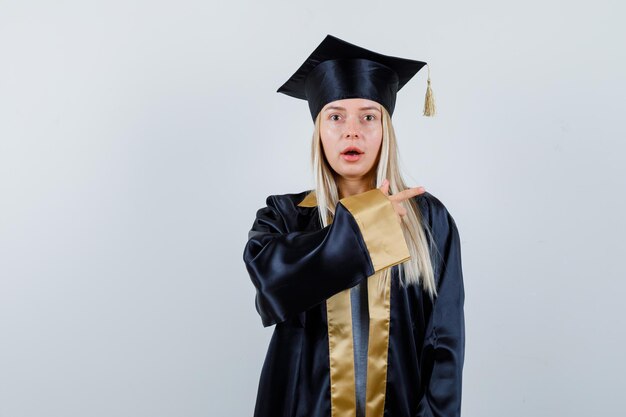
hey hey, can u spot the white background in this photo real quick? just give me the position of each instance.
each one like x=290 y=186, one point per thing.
x=138 y=139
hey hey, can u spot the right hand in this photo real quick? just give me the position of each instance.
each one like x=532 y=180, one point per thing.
x=397 y=198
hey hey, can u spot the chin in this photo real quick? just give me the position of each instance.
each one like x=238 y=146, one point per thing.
x=356 y=172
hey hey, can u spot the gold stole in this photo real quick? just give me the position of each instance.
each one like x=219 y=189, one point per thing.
x=342 y=384
x=385 y=242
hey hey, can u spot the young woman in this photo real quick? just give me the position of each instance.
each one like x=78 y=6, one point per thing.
x=361 y=276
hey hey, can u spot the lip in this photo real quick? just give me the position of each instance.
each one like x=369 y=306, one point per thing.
x=352 y=148
x=350 y=157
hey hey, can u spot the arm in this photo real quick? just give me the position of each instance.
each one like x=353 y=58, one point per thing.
x=294 y=271
x=444 y=344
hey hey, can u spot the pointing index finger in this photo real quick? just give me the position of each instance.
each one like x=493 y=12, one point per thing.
x=410 y=192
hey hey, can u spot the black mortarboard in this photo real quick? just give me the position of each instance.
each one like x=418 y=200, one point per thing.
x=337 y=69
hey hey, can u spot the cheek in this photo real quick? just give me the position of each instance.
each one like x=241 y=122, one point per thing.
x=324 y=139
x=376 y=137
x=329 y=131
x=326 y=145
x=328 y=137
x=373 y=132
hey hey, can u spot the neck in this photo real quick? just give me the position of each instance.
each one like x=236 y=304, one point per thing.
x=348 y=187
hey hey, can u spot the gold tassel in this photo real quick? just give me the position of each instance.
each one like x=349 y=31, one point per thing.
x=429 y=102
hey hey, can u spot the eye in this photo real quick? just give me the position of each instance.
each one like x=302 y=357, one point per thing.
x=372 y=117
x=332 y=116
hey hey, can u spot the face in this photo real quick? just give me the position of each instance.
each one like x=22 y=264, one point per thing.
x=352 y=124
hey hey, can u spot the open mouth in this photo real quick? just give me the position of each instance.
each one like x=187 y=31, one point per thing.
x=352 y=150
x=351 y=154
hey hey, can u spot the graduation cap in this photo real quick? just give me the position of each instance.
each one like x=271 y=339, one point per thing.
x=338 y=69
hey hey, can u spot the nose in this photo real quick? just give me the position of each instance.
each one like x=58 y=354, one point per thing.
x=352 y=128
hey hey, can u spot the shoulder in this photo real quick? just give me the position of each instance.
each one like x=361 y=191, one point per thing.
x=280 y=212
x=291 y=202
x=429 y=204
x=434 y=212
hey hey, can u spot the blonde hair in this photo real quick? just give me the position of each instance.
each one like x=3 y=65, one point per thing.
x=418 y=269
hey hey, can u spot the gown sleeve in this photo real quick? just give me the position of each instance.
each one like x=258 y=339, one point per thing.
x=444 y=346
x=296 y=270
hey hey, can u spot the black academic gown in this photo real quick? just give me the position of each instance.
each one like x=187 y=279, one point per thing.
x=302 y=273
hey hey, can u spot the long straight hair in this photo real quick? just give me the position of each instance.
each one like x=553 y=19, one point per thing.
x=418 y=269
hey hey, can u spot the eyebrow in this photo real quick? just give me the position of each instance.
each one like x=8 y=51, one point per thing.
x=343 y=108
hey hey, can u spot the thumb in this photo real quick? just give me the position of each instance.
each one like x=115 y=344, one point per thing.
x=385 y=187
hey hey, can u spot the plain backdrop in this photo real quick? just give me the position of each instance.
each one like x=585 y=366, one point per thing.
x=138 y=139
